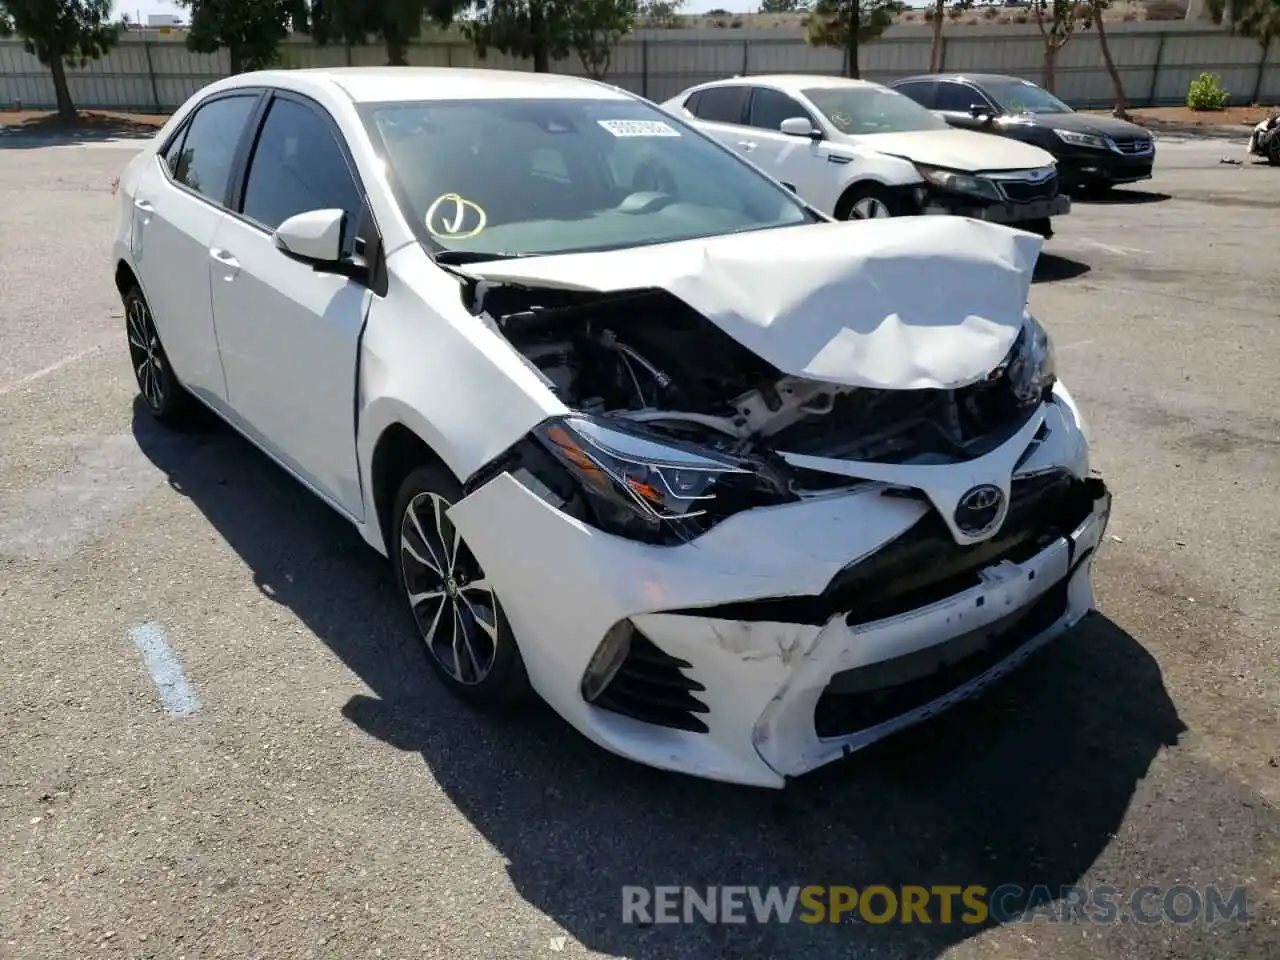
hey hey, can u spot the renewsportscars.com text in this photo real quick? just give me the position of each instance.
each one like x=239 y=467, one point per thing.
x=973 y=904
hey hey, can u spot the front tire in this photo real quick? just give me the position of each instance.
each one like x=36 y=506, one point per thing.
x=166 y=399
x=868 y=201
x=460 y=625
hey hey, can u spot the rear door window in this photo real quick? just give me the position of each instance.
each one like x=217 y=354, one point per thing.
x=722 y=104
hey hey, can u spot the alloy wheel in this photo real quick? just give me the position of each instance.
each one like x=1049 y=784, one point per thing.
x=146 y=354
x=869 y=208
x=452 y=603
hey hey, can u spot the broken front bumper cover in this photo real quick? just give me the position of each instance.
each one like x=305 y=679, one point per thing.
x=734 y=674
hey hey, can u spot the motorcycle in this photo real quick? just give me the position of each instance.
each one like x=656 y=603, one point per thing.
x=1264 y=141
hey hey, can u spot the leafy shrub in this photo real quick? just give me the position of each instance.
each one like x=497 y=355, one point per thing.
x=1021 y=18
x=1207 y=93
x=955 y=13
x=990 y=13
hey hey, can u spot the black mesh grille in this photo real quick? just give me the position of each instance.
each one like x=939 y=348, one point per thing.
x=864 y=697
x=651 y=686
x=1021 y=191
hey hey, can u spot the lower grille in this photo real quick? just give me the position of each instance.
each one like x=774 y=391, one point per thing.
x=868 y=696
x=651 y=686
x=1023 y=191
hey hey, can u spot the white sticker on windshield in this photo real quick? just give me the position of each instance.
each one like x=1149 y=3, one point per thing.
x=639 y=128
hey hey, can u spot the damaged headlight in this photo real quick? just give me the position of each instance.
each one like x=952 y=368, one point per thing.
x=647 y=488
x=955 y=182
x=1030 y=368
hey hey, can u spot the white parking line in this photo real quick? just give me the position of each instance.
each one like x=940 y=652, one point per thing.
x=31 y=378
x=1108 y=247
x=176 y=695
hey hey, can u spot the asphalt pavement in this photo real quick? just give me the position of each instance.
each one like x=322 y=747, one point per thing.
x=297 y=786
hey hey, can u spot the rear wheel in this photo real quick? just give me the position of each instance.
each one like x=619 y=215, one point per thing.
x=453 y=606
x=166 y=399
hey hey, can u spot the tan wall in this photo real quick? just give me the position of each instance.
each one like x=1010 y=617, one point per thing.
x=154 y=71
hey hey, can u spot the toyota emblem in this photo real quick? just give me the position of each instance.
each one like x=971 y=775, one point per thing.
x=979 y=509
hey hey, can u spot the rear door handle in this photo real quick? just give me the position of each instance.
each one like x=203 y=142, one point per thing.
x=143 y=205
x=746 y=144
x=230 y=265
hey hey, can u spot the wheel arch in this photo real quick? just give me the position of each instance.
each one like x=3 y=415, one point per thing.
x=397 y=451
x=125 y=278
x=852 y=191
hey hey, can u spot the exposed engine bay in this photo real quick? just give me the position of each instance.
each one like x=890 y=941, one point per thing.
x=647 y=358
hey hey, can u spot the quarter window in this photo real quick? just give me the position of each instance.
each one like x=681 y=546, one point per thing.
x=203 y=162
x=918 y=90
x=298 y=166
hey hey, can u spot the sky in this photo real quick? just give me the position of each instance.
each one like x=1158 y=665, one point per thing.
x=138 y=9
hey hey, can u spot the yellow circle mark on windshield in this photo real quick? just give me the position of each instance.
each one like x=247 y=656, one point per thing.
x=447 y=217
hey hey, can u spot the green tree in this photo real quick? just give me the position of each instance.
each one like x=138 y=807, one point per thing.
x=397 y=23
x=784 y=6
x=250 y=30
x=661 y=13
x=595 y=27
x=1057 y=21
x=939 y=14
x=846 y=24
x=546 y=30
x=61 y=33
x=1096 y=12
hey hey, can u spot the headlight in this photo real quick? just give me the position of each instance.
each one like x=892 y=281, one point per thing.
x=1083 y=139
x=646 y=488
x=1030 y=365
x=959 y=182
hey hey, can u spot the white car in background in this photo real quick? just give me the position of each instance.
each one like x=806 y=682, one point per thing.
x=858 y=150
x=722 y=480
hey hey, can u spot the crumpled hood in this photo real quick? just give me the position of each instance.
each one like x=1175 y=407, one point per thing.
x=904 y=303
x=962 y=150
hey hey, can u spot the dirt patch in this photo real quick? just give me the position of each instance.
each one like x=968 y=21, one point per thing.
x=100 y=122
x=1230 y=122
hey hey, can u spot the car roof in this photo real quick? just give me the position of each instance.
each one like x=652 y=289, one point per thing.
x=977 y=78
x=384 y=84
x=790 y=82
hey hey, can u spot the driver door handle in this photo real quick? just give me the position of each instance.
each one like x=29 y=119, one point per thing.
x=143 y=205
x=747 y=144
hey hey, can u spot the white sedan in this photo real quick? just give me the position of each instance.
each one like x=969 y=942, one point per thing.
x=856 y=149
x=719 y=479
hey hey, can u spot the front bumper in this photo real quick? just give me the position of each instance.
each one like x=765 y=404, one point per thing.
x=760 y=654
x=1085 y=168
x=1011 y=214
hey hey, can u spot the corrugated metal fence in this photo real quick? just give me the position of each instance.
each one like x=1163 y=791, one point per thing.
x=1156 y=61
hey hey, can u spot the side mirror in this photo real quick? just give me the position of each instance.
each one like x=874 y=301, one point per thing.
x=314 y=237
x=979 y=111
x=800 y=127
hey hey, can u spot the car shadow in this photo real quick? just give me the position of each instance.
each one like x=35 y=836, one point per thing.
x=1120 y=196
x=51 y=131
x=1026 y=785
x=1052 y=267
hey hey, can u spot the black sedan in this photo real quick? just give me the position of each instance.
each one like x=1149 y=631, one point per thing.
x=1093 y=152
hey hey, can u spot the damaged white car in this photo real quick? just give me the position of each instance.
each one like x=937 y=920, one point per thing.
x=735 y=489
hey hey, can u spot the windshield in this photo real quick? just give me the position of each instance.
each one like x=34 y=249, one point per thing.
x=1022 y=96
x=504 y=178
x=863 y=110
